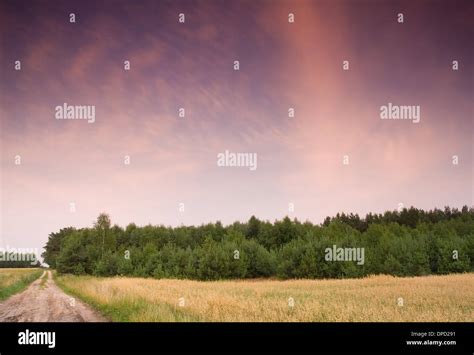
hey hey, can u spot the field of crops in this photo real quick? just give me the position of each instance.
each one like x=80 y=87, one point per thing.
x=376 y=298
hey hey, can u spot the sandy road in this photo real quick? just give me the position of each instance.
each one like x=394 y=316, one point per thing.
x=44 y=301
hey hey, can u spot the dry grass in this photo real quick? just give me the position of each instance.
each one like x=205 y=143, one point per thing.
x=9 y=277
x=374 y=299
x=15 y=280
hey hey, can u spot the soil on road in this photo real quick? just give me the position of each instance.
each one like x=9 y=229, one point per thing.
x=44 y=301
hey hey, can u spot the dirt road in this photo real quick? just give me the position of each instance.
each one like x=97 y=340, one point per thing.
x=44 y=301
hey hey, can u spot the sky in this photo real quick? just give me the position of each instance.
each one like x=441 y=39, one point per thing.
x=47 y=164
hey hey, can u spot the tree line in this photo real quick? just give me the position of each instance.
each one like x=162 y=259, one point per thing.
x=409 y=242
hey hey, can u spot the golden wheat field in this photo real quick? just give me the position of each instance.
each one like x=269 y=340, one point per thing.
x=374 y=299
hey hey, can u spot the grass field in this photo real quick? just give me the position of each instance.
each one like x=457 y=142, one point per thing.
x=15 y=280
x=377 y=298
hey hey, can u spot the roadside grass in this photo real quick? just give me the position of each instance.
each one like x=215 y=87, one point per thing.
x=126 y=310
x=446 y=298
x=16 y=280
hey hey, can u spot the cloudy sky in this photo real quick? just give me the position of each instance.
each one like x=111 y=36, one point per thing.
x=191 y=65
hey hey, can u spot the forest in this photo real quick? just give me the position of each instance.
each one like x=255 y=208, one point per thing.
x=409 y=242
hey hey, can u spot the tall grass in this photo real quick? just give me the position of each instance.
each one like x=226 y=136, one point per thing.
x=16 y=280
x=376 y=298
